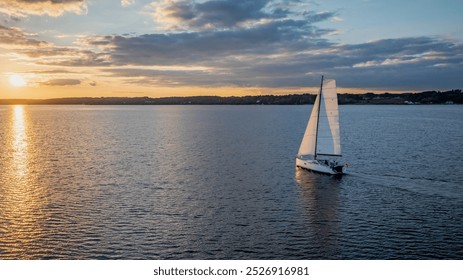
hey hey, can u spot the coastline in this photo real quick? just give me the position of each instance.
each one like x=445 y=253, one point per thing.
x=426 y=98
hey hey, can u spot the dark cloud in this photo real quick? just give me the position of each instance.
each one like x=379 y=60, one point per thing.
x=226 y=14
x=212 y=14
x=202 y=47
x=220 y=34
x=414 y=63
x=42 y=7
x=420 y=63
x=62 y=82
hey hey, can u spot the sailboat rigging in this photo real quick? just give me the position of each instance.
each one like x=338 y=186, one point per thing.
x=320 y=149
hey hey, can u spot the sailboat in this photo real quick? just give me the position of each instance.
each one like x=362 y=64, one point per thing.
x=320 y=150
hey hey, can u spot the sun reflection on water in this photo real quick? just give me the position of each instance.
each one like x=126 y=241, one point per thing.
x=22 y=198
x=19 y=143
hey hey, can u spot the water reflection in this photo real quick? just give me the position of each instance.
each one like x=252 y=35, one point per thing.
x=19 y=142
x=320 y=197
x=21 y=198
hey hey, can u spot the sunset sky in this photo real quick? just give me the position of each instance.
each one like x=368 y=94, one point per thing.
x=76 y=48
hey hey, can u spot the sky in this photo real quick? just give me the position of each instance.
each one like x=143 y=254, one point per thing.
x=95 y=48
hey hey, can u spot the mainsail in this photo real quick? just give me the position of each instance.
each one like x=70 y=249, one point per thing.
x=321 y=137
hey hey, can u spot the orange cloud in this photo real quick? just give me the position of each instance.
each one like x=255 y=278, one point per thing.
x=22 y=8
x=62 y=82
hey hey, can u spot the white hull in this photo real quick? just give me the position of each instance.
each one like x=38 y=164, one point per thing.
x=317 y=166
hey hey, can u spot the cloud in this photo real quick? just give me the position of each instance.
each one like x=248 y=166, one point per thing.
x=412 y=63
x=204 y=46
x=22 y=8
x=22 y=45
x=11 y=36
x=219 y=14
x=66 y=56
x=153 y=77
x=55 y=71
x=62 y=82
x=401 y=63
x=126 y=3
x=274 y=43
x=183 y=14
x=337 y=19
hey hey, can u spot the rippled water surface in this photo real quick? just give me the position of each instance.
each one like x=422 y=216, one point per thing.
x=219 y=182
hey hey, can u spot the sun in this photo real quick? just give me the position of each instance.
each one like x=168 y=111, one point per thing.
x=17 y=80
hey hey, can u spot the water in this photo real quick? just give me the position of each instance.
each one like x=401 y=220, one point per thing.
x=219 y=182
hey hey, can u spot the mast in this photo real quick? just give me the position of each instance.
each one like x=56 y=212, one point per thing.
x=318 y=117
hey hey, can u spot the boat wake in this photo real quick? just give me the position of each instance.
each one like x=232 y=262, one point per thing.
x=428 y=186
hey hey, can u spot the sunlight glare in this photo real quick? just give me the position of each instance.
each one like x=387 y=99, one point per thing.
x=17 y=80
x=19 y=140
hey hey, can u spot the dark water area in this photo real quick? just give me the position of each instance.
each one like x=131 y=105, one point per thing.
x=220 y=182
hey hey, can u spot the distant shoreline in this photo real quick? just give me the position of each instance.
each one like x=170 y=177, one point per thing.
x=427 y=97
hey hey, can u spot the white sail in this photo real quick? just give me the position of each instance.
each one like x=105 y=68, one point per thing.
x=322 y=132
x=307 y=148
x=328 y=137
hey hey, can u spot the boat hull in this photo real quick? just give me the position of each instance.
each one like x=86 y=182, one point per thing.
x=315 y=165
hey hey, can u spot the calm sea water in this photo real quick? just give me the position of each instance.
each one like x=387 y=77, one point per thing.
x=219 y=182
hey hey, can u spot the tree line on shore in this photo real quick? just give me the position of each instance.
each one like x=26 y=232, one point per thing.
x=428 y=97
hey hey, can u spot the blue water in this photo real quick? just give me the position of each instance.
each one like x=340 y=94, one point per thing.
x=219 y=182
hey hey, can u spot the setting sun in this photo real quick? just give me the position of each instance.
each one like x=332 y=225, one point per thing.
x=17 y=80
